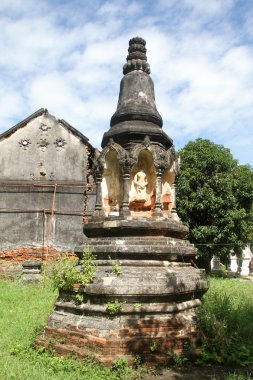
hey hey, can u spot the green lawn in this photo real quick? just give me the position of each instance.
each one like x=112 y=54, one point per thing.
x=23 y=311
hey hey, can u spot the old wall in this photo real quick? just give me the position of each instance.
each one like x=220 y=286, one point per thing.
x=44 y=149
x=44 y=166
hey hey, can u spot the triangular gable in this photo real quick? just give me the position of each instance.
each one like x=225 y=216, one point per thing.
x=36 y=114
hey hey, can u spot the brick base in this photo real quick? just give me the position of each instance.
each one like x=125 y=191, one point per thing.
x=21 y=254
x=155 y=339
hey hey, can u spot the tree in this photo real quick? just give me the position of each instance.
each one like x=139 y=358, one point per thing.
x=215 y=200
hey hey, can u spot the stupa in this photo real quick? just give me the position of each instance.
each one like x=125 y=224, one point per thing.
x=145 y=293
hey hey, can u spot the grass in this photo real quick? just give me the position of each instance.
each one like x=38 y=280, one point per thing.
x=236 y=377
x=24 y=310
x=226 y=318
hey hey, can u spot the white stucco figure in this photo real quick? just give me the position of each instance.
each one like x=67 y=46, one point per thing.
x=140 y=184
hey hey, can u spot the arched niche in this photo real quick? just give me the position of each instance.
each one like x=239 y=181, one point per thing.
x=168 y=179
x=143 y=183
x=112 y=184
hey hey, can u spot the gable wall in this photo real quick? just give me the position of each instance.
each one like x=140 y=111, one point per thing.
x=42 y=188
x=35 y=162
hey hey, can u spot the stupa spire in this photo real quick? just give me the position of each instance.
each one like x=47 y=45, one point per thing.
x=136 y=59
x=136 y=105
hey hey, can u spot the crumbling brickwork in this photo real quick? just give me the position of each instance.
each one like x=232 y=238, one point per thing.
x=19 y=255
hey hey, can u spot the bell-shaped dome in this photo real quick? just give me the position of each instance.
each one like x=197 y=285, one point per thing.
x=136 y=97
x=136 y=115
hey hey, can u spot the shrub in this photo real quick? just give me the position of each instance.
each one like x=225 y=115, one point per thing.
x=66 y=273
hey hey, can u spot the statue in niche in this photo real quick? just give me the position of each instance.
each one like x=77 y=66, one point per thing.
x=142 y=192
x=140 y=184
x=168 y=193
x=111 y=191
x=140 y=198
x=112 y=184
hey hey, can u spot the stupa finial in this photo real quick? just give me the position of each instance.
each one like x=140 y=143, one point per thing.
x=136 y=59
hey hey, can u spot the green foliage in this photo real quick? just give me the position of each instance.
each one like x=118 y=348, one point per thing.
x=215 y=198
x=154 y=346
x=122 y=370
x=116 y=268
x=179 y=360
x=66 y=273
x=79 y=297
x=235 y=376
x=225 y=318
x=137 y=306
x=89 y=267
x=120 y=367
x=114 y=307
x=238 y=377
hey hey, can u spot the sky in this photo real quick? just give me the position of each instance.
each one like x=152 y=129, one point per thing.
x=67 y=56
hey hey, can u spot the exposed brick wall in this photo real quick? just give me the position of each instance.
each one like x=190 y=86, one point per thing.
x=154 y=340
x=33 y=253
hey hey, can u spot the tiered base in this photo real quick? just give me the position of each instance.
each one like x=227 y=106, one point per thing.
x=142 y=302
x=153 y=339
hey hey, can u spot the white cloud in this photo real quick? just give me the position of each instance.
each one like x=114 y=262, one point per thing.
x=68 y=57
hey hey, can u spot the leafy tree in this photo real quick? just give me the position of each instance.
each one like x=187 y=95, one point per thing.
x=215 y=199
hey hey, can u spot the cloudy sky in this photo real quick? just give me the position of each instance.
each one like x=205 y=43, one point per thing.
x=67 y=56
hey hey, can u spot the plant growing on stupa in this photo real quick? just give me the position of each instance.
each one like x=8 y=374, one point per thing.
x=66 y=273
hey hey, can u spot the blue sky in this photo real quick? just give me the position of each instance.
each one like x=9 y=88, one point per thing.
x=67 y=56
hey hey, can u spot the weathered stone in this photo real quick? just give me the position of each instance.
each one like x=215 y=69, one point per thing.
x=144 y=295
x=31 y=270
x=41 y=187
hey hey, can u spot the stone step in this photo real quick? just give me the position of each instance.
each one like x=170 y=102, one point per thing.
x=139 y=240
x=148 y=247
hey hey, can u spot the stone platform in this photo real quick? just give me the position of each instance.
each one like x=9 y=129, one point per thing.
x=146 y=308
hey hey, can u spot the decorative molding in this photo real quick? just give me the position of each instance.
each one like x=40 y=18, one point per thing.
x=174 y=159
x=136 y=59
x=161 y=157
x=44 y=128
x=161 y=161
x=43 y=144
x=24 y=143
x=60 y=143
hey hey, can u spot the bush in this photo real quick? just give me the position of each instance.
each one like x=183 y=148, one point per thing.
x=66 y=273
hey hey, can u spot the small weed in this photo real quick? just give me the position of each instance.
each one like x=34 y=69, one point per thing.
x=65 y=273
x=116 y=268
x=114 y=307
x=137 y=361
x=79 y=297
x=179 y=360
x=154 y=346
x=137 y=306
x=16 y=349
